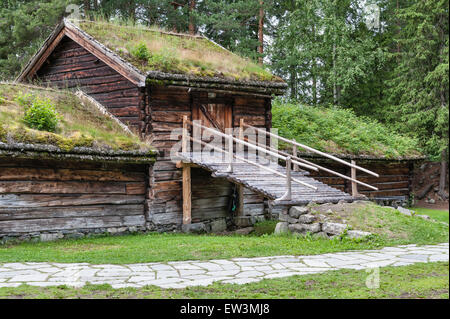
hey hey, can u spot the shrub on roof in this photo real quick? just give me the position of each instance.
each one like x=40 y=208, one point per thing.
x=140 y=51
x=41 y=115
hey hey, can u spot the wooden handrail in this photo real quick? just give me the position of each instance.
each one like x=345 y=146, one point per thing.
x=313 y=150
x=352 y=179
x=251 y=145
x=253 y=163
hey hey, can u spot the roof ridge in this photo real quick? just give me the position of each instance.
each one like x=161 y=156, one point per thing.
x=201 y=36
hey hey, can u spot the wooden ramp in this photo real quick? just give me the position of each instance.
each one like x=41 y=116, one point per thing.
x=245 y=162
x=267 y=183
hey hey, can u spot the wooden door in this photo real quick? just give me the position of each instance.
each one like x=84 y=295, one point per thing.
x=213 y=113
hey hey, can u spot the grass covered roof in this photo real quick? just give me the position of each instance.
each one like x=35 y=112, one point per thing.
x=153 y=49
x=82 y=126
x=340 y=132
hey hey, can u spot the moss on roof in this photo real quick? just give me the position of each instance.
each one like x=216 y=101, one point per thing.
x=339 y=131
x=81 y=124
x=152 y=49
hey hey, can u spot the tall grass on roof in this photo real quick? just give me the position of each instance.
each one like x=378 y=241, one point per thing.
x=339 y=131
x=172 y=53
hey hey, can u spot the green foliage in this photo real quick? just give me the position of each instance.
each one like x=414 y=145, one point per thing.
x=417 y=86
x=141 y=52
x=24 y=25
x=266 y=227
x=41 y=115
x=340 y=131
x=334 y=53
x=439 y=215
x=165 y=60
x=24 y=99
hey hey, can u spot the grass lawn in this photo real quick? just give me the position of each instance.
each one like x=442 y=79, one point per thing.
x=414 y=281
x=440 y=215
x=389 y=226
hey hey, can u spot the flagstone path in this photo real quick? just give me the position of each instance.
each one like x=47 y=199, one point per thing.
x=181 y=274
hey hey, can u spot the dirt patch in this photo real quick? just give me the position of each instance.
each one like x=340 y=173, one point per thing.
x=438 y=205
x=432 y=294
x=426 y=174
x=310 y=283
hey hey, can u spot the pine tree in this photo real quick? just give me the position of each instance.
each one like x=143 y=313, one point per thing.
x=23 y=27
x=418 y=88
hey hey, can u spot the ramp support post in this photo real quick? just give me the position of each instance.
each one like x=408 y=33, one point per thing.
x=288 y=194
x=354 y=185
x=187 y=193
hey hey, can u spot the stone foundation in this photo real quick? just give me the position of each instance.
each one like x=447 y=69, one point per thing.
x=300 y=220
x=69 y=234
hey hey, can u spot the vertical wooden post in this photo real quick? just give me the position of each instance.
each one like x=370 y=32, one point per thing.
x=288 y=179
x=186 y=176
x=240 y=188
x=239 y=146
x=294 y=152
x=230 y=152
x=184 y=139
x=354 y=185
x=187 y=194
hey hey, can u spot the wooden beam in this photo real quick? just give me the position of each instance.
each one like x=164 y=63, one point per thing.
x=184 y=139
x=295 y=155
x=240 y=207
x=28 y=74
x=187 y=194
x=354 y=185
x=108 y=57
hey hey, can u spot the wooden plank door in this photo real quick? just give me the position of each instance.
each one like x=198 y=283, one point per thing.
x=214 y=112
x=214 y=115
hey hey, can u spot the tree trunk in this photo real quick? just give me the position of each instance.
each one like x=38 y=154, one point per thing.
x=443 y=175
x=87 y=9
x=314 y=87
x=191 y=17
x=261 y=32
x=293 y=83
x=132 y=12
x=313 y=71
x=335 y=97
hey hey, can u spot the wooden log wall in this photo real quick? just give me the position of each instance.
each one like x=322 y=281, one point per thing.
x=72 y=66
x=210 y=196
x=48 y=195
x=395 y=177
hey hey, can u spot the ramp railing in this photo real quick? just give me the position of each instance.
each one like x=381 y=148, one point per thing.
x=295 y=145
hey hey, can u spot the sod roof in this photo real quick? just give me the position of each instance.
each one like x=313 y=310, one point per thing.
x=84 y=127
x=152 y=49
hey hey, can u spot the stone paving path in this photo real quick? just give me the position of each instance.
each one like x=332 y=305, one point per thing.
x=181 y=274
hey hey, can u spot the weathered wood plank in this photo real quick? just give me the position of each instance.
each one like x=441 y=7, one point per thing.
x=50 y=187
x=61 y=174
x=20 y=213
x=168 y=116
x=47 y=224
